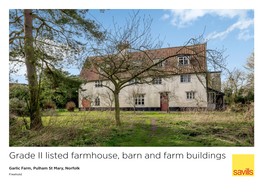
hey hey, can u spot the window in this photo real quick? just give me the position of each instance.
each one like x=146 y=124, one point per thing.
x=139 y=100
x=160 y=65
x=98 y=83
x=185 y=78
x=136 y=64
x=183 y=60
x=190 y=95
x=157 y=80
x=133 y=81
x=100 y=70
x=97 y=101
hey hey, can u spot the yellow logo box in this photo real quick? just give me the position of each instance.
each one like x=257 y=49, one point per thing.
x=243 y=165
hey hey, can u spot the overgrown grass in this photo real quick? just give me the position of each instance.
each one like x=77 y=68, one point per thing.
x=95 y=128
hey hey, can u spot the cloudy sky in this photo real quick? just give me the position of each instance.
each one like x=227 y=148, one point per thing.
x=232 y=29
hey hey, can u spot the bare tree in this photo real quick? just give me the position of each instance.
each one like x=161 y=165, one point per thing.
x=199 y=100
x=235 y=81
x=129 y=52
x=88 y=99
x=108 y=98
x=249 y=74
x=132 y=96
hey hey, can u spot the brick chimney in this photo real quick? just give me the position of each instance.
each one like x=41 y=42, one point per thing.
x=124 y=48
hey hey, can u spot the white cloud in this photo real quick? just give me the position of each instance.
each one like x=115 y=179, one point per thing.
x=185 y=17
x=244 y=35
x=165 y=16
x=241 y=25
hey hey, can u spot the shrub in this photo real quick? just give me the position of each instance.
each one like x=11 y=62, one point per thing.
x=19 y=91
x=50 y=105
x=18 y=107
x=70 y=106
x=12 y=119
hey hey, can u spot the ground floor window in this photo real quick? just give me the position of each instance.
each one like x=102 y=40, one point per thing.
x=190 y=95
x=139 y=100
x=97 y=101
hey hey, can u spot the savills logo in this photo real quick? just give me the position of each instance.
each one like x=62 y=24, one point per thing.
x=246 y=172
x=243 y=165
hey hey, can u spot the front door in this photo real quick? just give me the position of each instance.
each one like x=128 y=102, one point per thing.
x=164 y=101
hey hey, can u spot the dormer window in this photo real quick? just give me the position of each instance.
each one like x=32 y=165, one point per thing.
x=183 y=60
x=100 y=70
x=160 y=65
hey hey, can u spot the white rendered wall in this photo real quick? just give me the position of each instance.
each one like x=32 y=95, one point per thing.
x=177 y=93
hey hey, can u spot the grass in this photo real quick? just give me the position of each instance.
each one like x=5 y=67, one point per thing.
x=95 y=128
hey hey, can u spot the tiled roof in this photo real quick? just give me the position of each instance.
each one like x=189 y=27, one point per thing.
x=89 y=74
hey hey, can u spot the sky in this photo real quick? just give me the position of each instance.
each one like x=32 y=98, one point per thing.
x=231 y=29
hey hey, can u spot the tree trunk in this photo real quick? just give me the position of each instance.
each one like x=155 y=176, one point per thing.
x=34 y=110
x=117 y=108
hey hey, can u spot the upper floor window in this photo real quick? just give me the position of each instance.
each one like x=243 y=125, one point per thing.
x=133 y=82
x=136 y=64
x=185 y=78
x=157 y=80
x=98 y=83
x=160 y=65
x=101 y=70
x=97 y=101
x=183 y=60
x=139 y=100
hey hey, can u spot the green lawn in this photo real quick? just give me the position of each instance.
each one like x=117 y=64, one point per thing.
x=95 y=128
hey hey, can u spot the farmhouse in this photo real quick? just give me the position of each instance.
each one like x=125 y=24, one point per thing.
x=188 y=85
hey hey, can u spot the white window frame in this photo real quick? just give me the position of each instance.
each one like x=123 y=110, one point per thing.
x=139 y=99
x=136 y=63
x=186 y=78
x=183 y=60
x=157 y=81
x=101 y=70
x=133 y=81
x=160 y=65
x=98 y=84
x=97 y=101
x=190 y=95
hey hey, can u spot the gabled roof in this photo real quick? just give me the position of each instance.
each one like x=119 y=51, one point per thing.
x=88 y=74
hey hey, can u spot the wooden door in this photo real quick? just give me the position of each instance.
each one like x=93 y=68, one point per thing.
x=164 y=101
